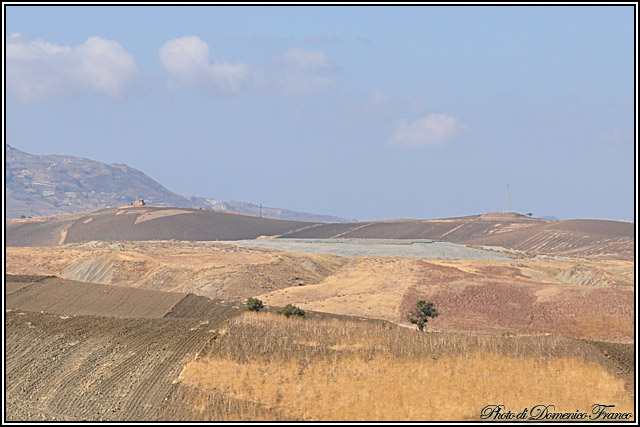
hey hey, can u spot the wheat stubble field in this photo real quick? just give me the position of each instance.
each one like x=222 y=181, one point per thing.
x=153 y=329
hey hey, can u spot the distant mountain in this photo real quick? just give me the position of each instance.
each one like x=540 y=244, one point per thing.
x=48 y=185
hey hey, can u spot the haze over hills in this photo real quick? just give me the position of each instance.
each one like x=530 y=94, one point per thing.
x=55 y=185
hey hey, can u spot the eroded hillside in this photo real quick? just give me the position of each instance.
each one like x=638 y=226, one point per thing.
x=528 y=295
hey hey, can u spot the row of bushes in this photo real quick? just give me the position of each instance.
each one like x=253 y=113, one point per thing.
x=254 y=304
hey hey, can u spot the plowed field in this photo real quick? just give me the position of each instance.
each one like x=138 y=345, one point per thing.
x=96 y=368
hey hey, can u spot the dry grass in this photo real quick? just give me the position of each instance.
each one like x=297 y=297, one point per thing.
x=348 y=370
x=369 y=286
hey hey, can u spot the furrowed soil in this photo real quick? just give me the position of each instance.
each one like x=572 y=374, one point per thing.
x=59 y=296
x=96 y=368
x=83 y=351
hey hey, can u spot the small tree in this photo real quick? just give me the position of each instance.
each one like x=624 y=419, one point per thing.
x=292 y=310
x=421 y=313
x=254 y=304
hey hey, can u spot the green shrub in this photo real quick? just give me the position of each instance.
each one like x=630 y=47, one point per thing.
x=254 y=304
x=292 y=310
x=422 y=312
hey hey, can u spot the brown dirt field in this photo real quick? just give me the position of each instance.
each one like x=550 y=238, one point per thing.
x=584 y=238
x=59 y=296
x=89 y=368
x=144 y=223
x=573 y=240
x=197 y=307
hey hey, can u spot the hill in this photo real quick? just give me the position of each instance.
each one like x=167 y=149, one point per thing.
x=595 y=238
x=55 y=185
x=143 y=223
x=592 y=238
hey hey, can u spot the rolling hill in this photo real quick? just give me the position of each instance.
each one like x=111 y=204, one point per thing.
x=593 y=238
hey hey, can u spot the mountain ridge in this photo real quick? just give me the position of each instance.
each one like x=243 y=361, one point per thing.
x=47 y=185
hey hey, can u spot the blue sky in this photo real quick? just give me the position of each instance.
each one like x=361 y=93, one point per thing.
x=363 y=112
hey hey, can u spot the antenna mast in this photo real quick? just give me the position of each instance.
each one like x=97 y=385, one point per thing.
x=506 y=201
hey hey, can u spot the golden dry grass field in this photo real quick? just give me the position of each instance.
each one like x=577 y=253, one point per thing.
x=336 y=370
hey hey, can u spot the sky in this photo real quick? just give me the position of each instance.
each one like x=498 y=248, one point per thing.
x=366 y=112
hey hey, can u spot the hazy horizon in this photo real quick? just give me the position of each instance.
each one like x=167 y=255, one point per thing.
x=359 y=112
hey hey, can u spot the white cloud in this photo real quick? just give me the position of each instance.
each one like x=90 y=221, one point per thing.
x=298 y=72
x=430 y=131
x=187 y=59
x=38 y=68
x=294 y=72
x=305 y=59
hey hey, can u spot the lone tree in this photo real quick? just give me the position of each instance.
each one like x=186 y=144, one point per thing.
x=292 y=310
x=254 y=304
x=421 y=313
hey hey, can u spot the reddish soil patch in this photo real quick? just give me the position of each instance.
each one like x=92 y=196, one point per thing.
x=431 y=273
x=488 y=307
x=498 y=307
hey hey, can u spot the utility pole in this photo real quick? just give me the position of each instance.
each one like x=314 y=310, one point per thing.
x=506 y=201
